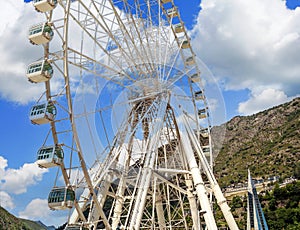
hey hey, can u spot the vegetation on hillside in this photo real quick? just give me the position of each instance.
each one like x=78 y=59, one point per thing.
x=267 y=143
x=281 y=208
x=9 y=221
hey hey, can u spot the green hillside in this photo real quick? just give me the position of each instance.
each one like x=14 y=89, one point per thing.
x=10 y=222
x=281 y=208
x=267 y=143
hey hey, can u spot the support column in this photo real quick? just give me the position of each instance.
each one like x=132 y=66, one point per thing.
x=193 y=204
x=198 y=182
x=221 y=200
x=160 y=211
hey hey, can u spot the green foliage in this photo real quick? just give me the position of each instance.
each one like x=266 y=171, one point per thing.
x=297 y=170
x=281 y=207
x=267 y=143
x=236 y=203
x=8 y=221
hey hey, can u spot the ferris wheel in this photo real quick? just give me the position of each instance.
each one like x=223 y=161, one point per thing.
x=130 y=130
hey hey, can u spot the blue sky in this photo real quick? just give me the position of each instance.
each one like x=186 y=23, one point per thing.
x=254 y=59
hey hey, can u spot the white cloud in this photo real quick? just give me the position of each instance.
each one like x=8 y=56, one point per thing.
x=16 y=18
x=18 y=53
x=3 y=165
x=16 y=181
x=250 y=44
x=266 y=99
x=9 y=13
x=38 y=209
x=6 y=201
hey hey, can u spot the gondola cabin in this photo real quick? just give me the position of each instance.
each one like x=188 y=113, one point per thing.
x=178 y=28
x=44 y=5
x=40 y=71
x=196 y=77
x=40 y=34
x=61 y=198
x=201 y=113
x=75 y=227
x=206 y=150
x=172 y=12
x=204 y=133
x=185 y=44
x=50 y=156
x=42 y=113
x=199 y=95
x=190 y=61
x=165 y=1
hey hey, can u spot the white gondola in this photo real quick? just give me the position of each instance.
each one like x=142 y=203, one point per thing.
x=190 y=61
x=172 y=12
x=202 y=113
x=44 y=5
x=178 y=28
x=185 y=44
x=75 y=227
x=50 y=156
x=206 y=150
x=199 y=95
x=196 y=77
x=42 y=113
x=40 y=71
x=61 y=198
x=40 y=34
x=204 y=133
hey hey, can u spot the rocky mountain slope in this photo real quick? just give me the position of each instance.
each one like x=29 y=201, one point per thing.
x=268 y=143
x=8 y=221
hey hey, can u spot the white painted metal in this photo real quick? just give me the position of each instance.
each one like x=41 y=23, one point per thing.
x=42 y=113
x=44 y=5
x=40 y=34
x=198 y=182
x=148 y=166
x=50 y=156
x=40 y=71
x=214 y=184
x=149 y=176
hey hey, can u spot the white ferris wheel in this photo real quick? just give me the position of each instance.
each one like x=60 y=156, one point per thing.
x=129 y=120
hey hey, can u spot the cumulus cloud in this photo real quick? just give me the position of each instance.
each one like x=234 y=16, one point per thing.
x=250 y=45
x=3 y=165
x=266 y=99
x=16 y=181
x=14 y=44
x=18 y=53
x=6 y=200
x=37 y=209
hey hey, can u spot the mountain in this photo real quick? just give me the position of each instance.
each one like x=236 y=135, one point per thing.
x=267 y=143
x=9 y=221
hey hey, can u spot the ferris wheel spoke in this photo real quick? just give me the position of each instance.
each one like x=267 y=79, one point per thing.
x=145 y=34
x=172 y=65
x=89 y=64
x=132 y=116
x=136 y=22
x=178 y=77
x=130 y=43
x=97 y=42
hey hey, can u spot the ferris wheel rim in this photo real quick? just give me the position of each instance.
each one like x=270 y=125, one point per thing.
x=66 y=61
x=72 y=116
